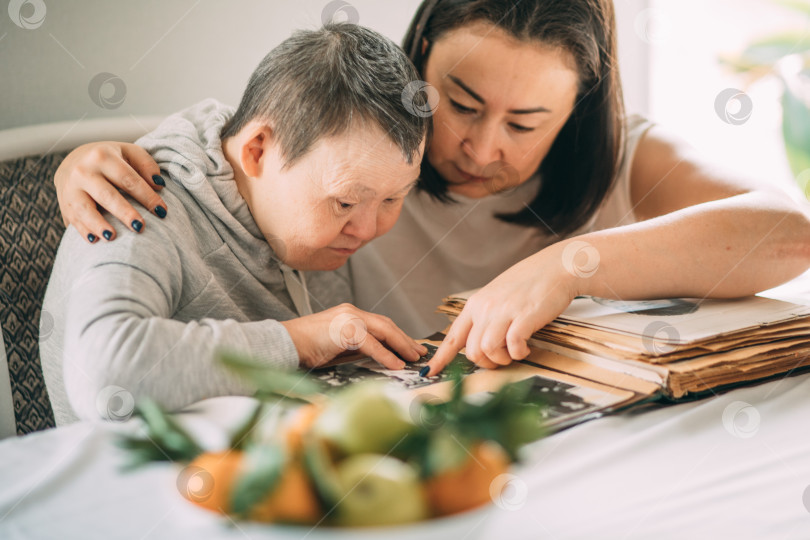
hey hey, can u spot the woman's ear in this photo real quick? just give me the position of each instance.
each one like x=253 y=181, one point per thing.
x=424 y=45
x=256 y=148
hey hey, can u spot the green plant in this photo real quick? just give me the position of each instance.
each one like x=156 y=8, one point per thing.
x=786 y=55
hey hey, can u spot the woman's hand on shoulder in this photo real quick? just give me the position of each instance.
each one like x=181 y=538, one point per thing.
x=88 y=177
x=498 y=320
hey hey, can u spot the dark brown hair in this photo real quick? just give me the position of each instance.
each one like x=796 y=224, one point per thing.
x=316 y=82
x=582 y=163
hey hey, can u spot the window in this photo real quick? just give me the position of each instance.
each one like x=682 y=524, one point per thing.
x=684 y=42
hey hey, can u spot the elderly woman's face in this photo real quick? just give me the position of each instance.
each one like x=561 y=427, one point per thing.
x=346 y=191
x=502 y=103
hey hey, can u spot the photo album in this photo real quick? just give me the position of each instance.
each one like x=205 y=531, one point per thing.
x=601 y=356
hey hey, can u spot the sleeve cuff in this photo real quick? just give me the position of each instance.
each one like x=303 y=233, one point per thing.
x=270 y=342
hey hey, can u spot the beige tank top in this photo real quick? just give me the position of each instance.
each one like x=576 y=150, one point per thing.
x=436 y=249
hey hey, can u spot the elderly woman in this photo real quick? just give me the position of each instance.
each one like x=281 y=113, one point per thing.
x=258 y=196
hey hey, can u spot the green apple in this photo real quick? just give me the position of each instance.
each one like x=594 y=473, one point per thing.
x=363 y=419
x=378 y=490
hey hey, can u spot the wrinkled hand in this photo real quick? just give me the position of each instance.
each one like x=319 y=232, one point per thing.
x=498 y=320
x=321 y=337
x=89 y=176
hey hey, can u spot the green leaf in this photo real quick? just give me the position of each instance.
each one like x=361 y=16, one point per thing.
x=290 y=384
x=796 y=129
x=446 y=449
x=521 y=426
x=167 y=431
x=165 y=439
x=320 y=469
x=456 y=375
x=767 y=51
x=140 y=452
x=242 y=436
x=511 y=417
x=442 y=450
x=799 y=159
x=261 y=471
x=802 y=6
x=413 y=448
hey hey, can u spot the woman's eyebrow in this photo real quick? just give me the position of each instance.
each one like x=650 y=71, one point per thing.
x=351 y=190
x=480 y=100
x=467 y=89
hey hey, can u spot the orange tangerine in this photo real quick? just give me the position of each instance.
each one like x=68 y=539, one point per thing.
x=208 y=479
x=299 y=424
x=467 y=486
x=292 y=501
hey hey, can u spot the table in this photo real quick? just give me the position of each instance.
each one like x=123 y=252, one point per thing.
x=736 y=465
x=732 y=466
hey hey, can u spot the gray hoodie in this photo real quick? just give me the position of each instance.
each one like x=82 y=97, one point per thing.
x=143 y=315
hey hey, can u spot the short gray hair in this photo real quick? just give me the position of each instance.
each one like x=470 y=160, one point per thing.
x=318 y=82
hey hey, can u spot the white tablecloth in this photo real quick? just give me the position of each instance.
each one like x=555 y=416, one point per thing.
x=733 y=466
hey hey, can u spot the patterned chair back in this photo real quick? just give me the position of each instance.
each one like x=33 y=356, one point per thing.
x=30 y=230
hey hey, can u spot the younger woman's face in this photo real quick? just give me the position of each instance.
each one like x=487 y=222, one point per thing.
x=502 y=103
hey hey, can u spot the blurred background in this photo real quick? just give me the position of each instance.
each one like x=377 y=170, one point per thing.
x=681 y=62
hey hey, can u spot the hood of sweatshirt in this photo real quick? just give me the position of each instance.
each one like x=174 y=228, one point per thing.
x=188 y=147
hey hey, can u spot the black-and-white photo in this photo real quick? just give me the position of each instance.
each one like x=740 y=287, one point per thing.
x=408 y=376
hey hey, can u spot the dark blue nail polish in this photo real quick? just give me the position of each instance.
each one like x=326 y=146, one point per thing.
x=107 y=234
x=137 y=225
x=424 y=371
x=91 y=238
x=156 y=178
x=160 y=212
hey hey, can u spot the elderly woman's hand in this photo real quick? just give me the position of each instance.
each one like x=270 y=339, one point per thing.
x=322 y=336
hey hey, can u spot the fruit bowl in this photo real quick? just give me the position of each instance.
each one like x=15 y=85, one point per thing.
x=467 y=525
x=364 y=462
